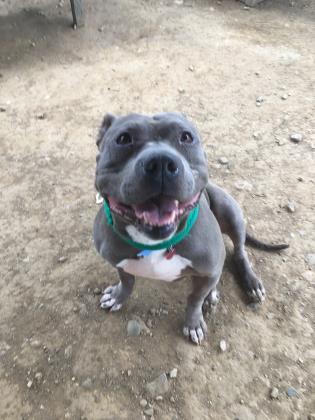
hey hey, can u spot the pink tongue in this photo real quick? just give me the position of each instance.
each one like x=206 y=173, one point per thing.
x=158 y=213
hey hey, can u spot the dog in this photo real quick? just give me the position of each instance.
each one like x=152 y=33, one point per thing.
x=162 y=218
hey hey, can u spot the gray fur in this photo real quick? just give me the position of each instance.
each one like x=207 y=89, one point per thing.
x=120 y=174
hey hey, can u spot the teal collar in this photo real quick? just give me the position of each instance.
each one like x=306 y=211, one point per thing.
x=178 y=237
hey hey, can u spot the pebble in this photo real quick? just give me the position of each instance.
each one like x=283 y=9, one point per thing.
x=68 y=352
x=296 y=137
x=256 y=135
x=310 y=259
x=254 y=306
x=172 y=399
x=35 y=344
x=133 y=328
x=38 y=376
x=223 y=345
x=149 y=412
x=29 y=384
x=97 y=291
x=180 y=90
x=290 y=206
x=243 y=185
x=159 y=386
x=143 y=403
x=223 y=160
x=62 y=259
x=274 y=393
x=41 y=116
x=87 y=383
x=284 y=97
x=159 y=398
x=173 y=373
x=291 y=392
x=259 y=99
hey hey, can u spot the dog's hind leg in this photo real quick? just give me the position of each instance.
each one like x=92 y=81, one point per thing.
x=231 y=221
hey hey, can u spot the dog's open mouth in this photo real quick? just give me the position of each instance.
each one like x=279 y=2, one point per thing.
x=158 y=217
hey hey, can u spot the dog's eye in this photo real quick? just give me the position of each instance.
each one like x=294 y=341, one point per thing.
x=124 y=139
x=186 y=138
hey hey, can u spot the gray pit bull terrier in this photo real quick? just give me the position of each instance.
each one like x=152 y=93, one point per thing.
x=162 y=218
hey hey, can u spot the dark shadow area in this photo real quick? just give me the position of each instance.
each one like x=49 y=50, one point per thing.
x=46 y=33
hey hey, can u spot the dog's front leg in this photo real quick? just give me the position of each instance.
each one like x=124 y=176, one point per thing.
x=114 y=296
x=195 y=327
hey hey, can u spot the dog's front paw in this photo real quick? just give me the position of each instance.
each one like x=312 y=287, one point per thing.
x=111 y=298
x=195 y=331
x=255 y=288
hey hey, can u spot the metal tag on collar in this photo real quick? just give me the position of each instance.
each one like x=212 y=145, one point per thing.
x=144 y=253
x=170 y=252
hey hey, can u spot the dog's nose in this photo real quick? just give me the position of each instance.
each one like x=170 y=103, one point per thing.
x=161 y=165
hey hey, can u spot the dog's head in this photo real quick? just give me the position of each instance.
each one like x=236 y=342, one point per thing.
x=151 y=170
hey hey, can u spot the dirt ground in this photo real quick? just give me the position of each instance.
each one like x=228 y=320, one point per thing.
x=246 y=77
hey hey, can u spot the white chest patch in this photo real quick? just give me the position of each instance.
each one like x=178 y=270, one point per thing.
x=154 y=266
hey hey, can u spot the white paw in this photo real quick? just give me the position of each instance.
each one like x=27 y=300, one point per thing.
x=108 y=301
x=196 y=334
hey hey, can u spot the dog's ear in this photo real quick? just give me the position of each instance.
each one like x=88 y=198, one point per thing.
x=107 y=122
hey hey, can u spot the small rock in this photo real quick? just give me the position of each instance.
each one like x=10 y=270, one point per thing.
x=191 y=68
x=68 y=352
x=38 y=376
x=41 y=116
x=159 y=386
x=143 y=403
x=256 y=135
x=310 y=259
x=87 y=383
x=181 y=90
x=149 y=412
x=243 y=185
x=290 y=206
x=172 y=399
x=223 y=160
x=129 y=372
x=62 y=259
x=284 y=97
x=29 y=384
x=296 y=137
x=35 y=344
x=159 y=398
x=2 y=109
x=97 y=291
x=291 y=392
x=274 y=393
x=254 y=306
x=133 y=328
x=259 y=99
x=173 y=373
x=223 y=345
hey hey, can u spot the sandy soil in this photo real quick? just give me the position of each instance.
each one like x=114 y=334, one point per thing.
x=61 y=356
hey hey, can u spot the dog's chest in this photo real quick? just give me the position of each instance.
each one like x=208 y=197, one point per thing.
x=156 y=266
